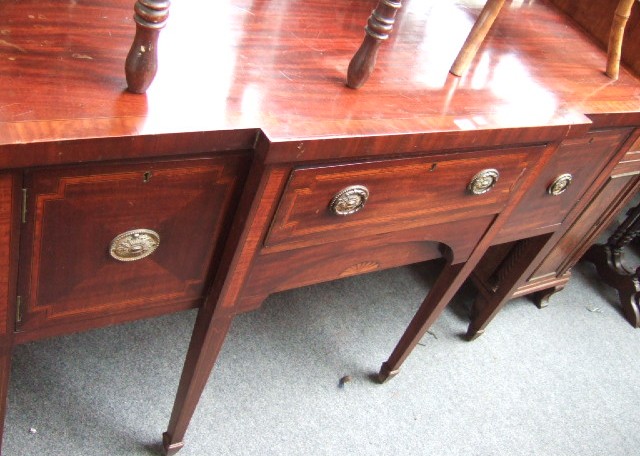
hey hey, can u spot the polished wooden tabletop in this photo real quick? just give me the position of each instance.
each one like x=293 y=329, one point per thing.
x=280 y=66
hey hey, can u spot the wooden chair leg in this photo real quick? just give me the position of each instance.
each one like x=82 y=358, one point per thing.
x=616 y=35
x=447 y=284
x=377 y=30
x=476 y=36
x=142 y=61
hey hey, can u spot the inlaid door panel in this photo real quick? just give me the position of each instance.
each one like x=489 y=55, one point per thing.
x=108 y=240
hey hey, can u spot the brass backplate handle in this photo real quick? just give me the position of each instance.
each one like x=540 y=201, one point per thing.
x=483 y=181
x=134 y=244
x=560 y=184
x=349 y=200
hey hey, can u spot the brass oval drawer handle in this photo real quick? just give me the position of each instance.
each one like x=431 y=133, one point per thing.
x=483 y=181
x=560 y=184
x=349 y=200
x=134 y=244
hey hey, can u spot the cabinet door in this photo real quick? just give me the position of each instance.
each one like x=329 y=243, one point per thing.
x=109 y=243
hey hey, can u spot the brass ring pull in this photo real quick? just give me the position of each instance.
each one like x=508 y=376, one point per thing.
x=349 y=200
x=134 y=245
x=483 y=181
x=560 y=184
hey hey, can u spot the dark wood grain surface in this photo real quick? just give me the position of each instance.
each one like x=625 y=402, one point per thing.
x=75 y=213
x=280 y=66
x=583 y=158
x=403 y=193
x=8 y=238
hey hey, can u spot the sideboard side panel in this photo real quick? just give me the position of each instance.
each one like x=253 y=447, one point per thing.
x=9 y=216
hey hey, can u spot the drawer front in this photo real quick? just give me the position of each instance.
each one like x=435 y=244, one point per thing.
x=90 y=234
x=581 y=159
x=402 y=194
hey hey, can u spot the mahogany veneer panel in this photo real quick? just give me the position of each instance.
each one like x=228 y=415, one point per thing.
x=75 y=213
x=335 y=260
x=601 y=210
x=583 y=158
x=8 y=236
x=403 y=193
x=279 y=66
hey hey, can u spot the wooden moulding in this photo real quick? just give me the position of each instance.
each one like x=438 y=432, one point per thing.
x=377 y=30
x=614 y=50
x=142 y=61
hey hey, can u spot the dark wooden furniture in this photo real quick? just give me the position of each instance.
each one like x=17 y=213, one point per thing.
x=241 y=172
x=541 y=266
x=609 y=261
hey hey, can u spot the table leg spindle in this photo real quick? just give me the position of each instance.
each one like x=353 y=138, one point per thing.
x=142 y=60
x=377 y=30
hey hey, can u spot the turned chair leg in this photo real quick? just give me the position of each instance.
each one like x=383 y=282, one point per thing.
x=616 y=35
x=476 y=36
x=142 y=61
x=377 y=30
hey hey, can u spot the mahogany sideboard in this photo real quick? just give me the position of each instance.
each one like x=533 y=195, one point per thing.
x=249 y=167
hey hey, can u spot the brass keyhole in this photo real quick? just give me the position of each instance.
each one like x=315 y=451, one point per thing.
x=146 y=177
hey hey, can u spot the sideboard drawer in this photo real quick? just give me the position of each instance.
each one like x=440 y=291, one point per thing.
x=576 y=162
x=122 y=241
x=402 y=194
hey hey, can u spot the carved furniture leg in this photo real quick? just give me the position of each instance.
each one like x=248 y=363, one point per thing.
x=377 y=30
x=476 y=36
x=614 y=49
x=609 y=261
x=447 y=284
x=142 y=60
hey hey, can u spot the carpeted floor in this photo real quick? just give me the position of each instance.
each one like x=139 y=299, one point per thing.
x=558 y=381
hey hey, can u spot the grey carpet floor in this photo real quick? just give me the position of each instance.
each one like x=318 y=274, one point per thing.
x=559 y=381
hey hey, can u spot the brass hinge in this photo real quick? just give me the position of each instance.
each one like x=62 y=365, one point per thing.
x=18 y=309
x=24 y=205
